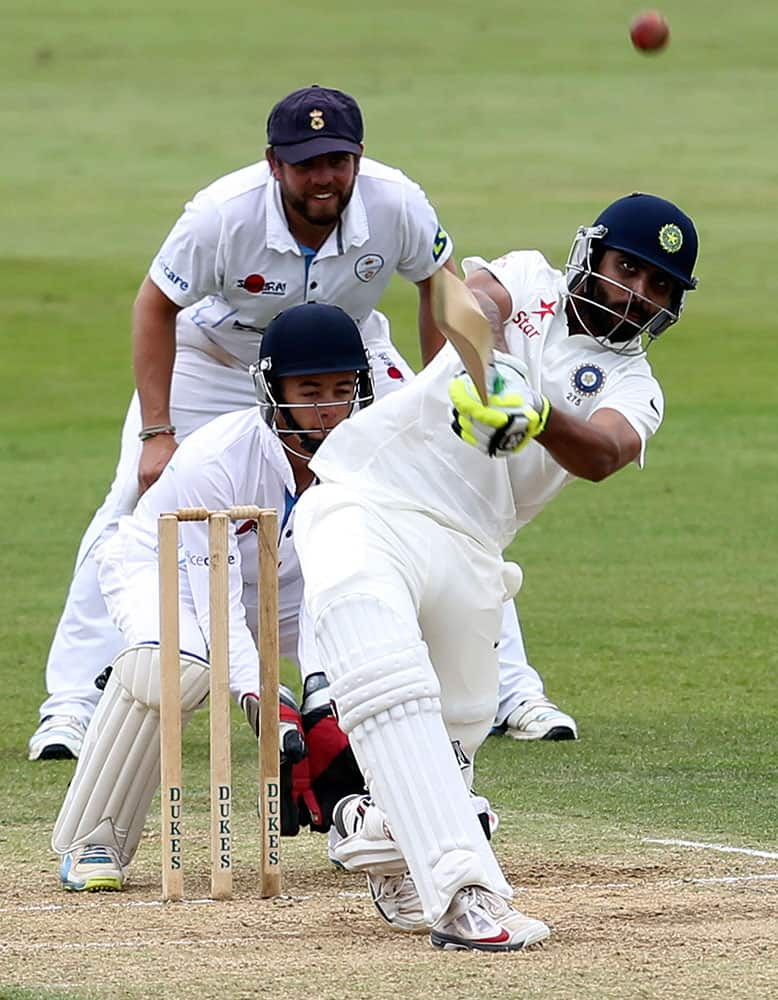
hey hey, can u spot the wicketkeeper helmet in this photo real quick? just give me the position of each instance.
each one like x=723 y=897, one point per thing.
x=309 y=339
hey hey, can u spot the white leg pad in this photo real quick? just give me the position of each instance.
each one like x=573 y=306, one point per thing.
x=118 y=769
x=388 y=700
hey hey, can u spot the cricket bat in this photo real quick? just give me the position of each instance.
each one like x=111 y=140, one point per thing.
x=460 y=320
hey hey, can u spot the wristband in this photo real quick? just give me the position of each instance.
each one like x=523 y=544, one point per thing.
x=150 y=432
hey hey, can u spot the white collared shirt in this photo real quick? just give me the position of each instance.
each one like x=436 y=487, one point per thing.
x=232 y=264
x=233 y=460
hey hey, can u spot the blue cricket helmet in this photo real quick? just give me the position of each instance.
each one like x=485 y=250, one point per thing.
x=650 y=229
x=312 y=338
x=309 y=339
x=655 y=230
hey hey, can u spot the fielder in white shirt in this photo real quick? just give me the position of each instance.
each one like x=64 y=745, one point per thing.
x=312 y=373
x=314 y=222
x=401 y=548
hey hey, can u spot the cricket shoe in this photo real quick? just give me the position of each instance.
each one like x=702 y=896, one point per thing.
x=360 y=840
x=481 y=920
x=91 y=868
x=397 y=900
x=58 y=737
x=539 y=719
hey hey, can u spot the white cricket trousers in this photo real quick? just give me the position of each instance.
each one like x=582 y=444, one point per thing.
x=444 y=587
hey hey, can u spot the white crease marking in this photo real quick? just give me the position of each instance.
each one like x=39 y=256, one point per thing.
x=723 y=848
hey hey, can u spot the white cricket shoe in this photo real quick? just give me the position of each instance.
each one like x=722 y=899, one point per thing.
x=397 y=900
x=92 y=868
x=58 y=737
x=360 y=840
x=480 y=920
x=540 y=719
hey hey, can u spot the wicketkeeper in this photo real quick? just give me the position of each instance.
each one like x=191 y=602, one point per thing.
x=313 y=373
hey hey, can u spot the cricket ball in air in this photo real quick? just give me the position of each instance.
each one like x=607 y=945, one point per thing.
x=649 y=31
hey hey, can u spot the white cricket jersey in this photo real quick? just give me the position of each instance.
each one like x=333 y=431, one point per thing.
x=401 y=452
x=233 y=460
x=232 y=264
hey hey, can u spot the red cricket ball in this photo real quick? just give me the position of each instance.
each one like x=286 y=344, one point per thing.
x=649 y=31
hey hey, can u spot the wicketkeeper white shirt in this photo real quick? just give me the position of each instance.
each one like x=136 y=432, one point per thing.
x=233 y=264
x=233 y=460
x=401 y=452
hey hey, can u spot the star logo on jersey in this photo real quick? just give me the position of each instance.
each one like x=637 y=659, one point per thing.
x=546 y=309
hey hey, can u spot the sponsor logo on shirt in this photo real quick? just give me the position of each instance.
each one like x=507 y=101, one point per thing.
x=587 y=379
x=201 y=559
x=439 y=243
x=256 y=284
x=367 y=267
x=172 y=277
x=546 y=309
x=391 y=368
x=525 y=324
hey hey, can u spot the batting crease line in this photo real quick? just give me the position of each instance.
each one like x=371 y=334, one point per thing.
x=724 y=848
x=85 y=945
x=634 y=884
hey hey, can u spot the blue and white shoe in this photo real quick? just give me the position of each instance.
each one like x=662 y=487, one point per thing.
x=538 y=719
x=58 y=737
x=91 y=868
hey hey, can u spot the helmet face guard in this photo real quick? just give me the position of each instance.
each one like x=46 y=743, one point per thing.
x=269 y=393
x=653 y=231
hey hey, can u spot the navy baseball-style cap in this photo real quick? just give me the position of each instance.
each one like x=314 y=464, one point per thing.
x=313 y=121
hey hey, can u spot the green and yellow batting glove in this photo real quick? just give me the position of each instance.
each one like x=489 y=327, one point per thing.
x=513 y=415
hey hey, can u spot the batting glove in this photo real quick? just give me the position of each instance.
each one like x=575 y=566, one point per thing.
x=514 y=413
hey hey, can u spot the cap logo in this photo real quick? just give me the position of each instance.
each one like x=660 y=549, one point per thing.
x=317 y=119
x=670 y=238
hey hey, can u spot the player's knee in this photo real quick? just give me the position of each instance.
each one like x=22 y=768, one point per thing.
x=375 y=660
x=137 y=670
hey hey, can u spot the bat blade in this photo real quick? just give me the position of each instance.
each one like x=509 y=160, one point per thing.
x=460 y=320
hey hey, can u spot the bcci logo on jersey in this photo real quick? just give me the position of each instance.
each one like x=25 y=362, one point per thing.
x=588 y=379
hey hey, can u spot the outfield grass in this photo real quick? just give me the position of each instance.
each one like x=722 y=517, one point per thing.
x=650 y=601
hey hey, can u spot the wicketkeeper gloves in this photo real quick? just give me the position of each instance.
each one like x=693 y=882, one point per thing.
x=334 y=773
x=293 y=753
x=514 y=414
x=317 y=765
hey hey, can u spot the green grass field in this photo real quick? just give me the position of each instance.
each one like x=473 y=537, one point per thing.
x=649 y=602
